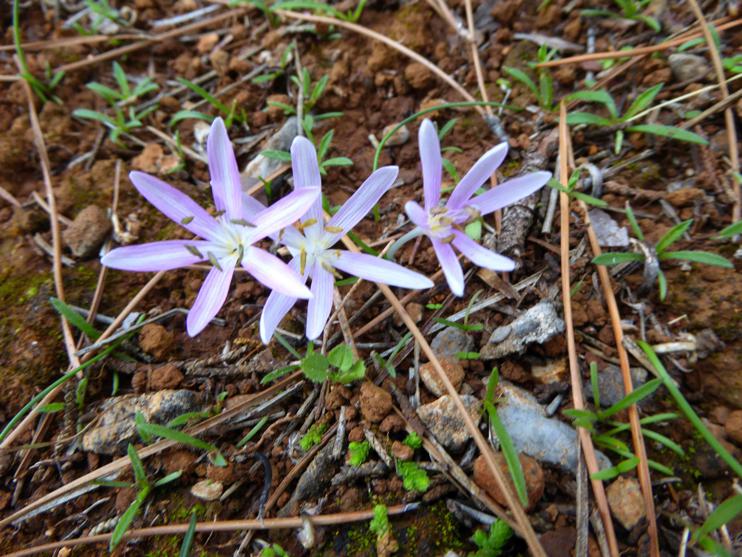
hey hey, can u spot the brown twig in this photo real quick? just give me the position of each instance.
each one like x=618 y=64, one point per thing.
x=728 y=112
x=576 y=379
x=641 y=51
x=217 y=526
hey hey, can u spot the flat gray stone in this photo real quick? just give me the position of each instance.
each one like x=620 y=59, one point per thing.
x=445 y=422
x=450 y=341
x=610 y=384
x=538 y=324
x=609 y=233
x=116 y=427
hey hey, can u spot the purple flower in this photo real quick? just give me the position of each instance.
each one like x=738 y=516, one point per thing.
x=311 y=244
x=228 y=237
x=444 y=223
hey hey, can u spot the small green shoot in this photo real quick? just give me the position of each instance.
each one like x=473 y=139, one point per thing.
x=358 y=451
x=630 y=9
x=379 y=524
x=413 y=477
x=312 y=437
x=322 y=8
x=413 y=440
x=339 y=366
x=492 y=543
x=147 y=431
x=124 y=95
x=273 y=550
x=544 y=91
x=572 y=191
x=120 y=123
x=230 y=113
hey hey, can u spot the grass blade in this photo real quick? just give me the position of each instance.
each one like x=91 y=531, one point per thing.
x=185 y=547
x=704 y=257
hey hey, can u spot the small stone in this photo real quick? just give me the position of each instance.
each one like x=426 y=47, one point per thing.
x=356 y=434
x=416 y=311
x=402 y=451
x=155 y=340
x=626 y=501
x=537 y=324
x=610 y=384
x=207 y=42
x=609 y=233
x=166 y=377
x=207 y=490
x=444 y=421
x=532 y=471
x=376 y=403
x=553 y=371
x=87 y=232
x=223 y=474
x=149 y=159
x=454 y=372
x=418 y=76
x=219 y=61
x=559 y=542
x=686 y=67
x=733 y=426
x=391 y=424
x=400 y=137
x=450 y=341
x=116 y=426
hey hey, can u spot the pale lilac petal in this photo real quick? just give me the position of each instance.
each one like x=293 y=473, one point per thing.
x=225 y=178
x=430 y=158
x=320 y=305
x=509 y=192
x=363 y=200
x=274 y=273
x=251 y=207
x=305 y=169
x=291 y=237
x=477 y=175
x=276 y=308
x=175 y=205
x=450 y=265
x=380 y=270
x=284 y=212
x=417 y=214
x=480 y=255
x=156 y=256
x=210 y=298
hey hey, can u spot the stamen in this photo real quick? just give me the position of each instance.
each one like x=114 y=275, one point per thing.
x=194 y=251
x=186 y=220
x=448 y=239
x=302 y=261
x=330 y=269
x=219 y=213
x=242 y=222
x=240 y=254
x=334 y=229
x=214 y=261
x=302 y=225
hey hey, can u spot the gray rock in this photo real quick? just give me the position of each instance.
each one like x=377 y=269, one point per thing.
x=450 y=341
x=401 y=136
x=445 y=422
x=538 y=324
x=116 y=427
x=545 y=439
x=610 y=384
x=686 y=67
x=261 y=166
x=87 y=232
x=313 y=482
x=609 y=234
x=207 y=490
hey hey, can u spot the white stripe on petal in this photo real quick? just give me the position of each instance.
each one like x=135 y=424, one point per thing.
x=210 y=298
x=320 y=305
x=175 y=205
x=363 y=200
x=509 y=192
x=480 y=255
x=430 y=158
x=274 y=273
x=477 y=175
x=380 y=270
x=225 y=178
x=284 y=212
x=155 y=256
x=450 y=265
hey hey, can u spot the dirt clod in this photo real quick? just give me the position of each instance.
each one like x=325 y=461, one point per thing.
x=376 y=403
x=532 y=472
x=733 y=427
x=626 y=501
x=166 y=377
x=87 y=232
x=156 y=340
x=451 y=367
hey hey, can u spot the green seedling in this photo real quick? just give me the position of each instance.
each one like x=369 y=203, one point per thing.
x=322 y=8
x=622 y=121
x=572 y=191
x=99 y=13
x=312 y=437
x=724 y=514
x=492 y=543
x=230 y=113
x=413 y=440
x=413 y=477
x=630 y=9
x=121 y=122
x=279 y=71
x=144 y=489
x=124 y=95
x=653 y=256
x=273 y=550
x=339 y=366
x=148 y=432
x=358 y=451
x=544 y=91
x=605 y=430
x=732 y=64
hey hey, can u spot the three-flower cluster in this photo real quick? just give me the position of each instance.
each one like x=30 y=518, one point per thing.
x=227 y=239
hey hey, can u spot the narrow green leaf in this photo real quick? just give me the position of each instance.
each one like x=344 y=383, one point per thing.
x=121 y=81
x=278 y=373
x=723 y=514
x=620 y=468
x=338 y=161
x=594 y=384
x=642 y=101
x=51 y=408
x=283 y=156
x=576 y=118
x=189 y=115
x=93 y=115
x=127 y=518
x=663 y=440
x=508 y=451
x=731 y=230
x=672 y=236
x=704 y=257
x=140 y=476
x=74 y=318
x=601 y=96
x=671 y=132
x=175 y=435
x=185 y=547
x=521 y=76
x=632 y=398
x=614 y=258
x=589 y=199
x=662 y=283
x=171 y=477
x=252 y=433
x=634 y=223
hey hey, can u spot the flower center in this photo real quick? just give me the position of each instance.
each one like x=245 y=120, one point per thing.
x=442 y=221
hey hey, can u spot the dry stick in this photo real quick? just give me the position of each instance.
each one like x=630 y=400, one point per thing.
x=636 y=434
x=641 y=51
x=70 y=41
x=387 y=41
x=218 y=526
x=512 y=502
x=728 y=112
x=577 y=397
x=145 y=452
x=116 y=52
